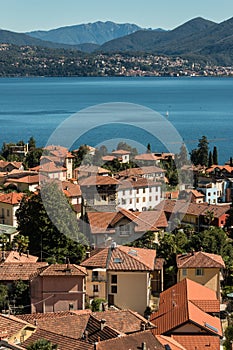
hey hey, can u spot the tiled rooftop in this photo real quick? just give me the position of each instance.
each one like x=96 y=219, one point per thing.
x=98 y=181
x=198 y=342
x=16 y=257
x=199 y=259
x=63 y=269
x=19 y=270
x=11 y=325
x=12 y=198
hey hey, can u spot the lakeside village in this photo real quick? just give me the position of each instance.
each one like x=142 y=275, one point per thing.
x=155 y=267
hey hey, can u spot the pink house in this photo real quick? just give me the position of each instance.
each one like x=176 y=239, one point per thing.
x=58 y=287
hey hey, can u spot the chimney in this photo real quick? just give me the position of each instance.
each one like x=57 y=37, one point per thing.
x=27 y=253
x=88 y=255
x=3 y=255
x=143 y=326
x=144 y=346
x=86 y=336
x=102 y=324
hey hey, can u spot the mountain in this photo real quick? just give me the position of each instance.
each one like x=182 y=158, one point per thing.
x=21 y=39
x=95 y=33
x=159 y=41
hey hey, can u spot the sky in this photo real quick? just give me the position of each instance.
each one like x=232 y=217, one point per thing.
x=28 y=15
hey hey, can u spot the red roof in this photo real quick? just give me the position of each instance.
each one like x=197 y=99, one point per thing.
x=182 y=304
x=12 y=198
x=147 y=156
x=199 y=259
x=98 y=181
x=63 y=270
x=198 y=342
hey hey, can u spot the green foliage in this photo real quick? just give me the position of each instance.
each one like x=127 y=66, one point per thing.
x=229 y=338
x=146 y=241
x=199 y=156
x=3 y=297
x=31 y=143
x=96 y=303
x=54 y=235
x=20 y=243
x=42 y=344
x=33 y=157
x=80 y=155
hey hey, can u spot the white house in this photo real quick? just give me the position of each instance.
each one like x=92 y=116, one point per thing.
x=139 y=194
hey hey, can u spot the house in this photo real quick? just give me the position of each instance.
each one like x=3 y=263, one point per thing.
x=203 y=268
x=139 y=194
x=188 y=309
x=147 y=159
x=148 y=172
x=122 y=155
x=89 y=170
x=210 y=191
x=192 y=196
x=9 y=203
x=7 y=167
x=195 y=214
x=73 y=193
x=60 y=286
x=23 y=182
x=123 y=226
x=124 y=276
x=14 y=331
x=99 y=193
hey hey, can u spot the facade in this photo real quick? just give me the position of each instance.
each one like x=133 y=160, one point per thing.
x=203 y=268
x=138 y=194
x=73 y=193
x=24 y=182
x=9 y=203
x=99 y=193
x=126 y=277
x=123 y=225
x=60 y=286
x=122 y=155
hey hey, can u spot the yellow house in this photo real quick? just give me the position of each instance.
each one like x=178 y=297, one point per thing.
x=9 y=203
x=203 y=268
x=126 y=277
x=14 y=330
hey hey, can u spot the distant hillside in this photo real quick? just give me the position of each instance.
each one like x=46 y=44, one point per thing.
x=95 y=33
x=20 y=39
x=197 y=37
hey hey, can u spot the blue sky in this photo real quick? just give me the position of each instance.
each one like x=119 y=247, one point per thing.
x=26 y=15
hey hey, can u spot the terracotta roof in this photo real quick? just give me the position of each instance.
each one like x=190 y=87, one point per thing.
x=12 y=198
x=29 y=179
x=63 y=269
x=196 y=193
x=122 y=258
x=198 y=342
x=140 y=182
x=41 y=317
x=98 y=181
x=195 y=209
x=228 y=168
x=4 y=164
x=124 y=321
x=141 y=171
x=182 y=303
x=50 y=167
x=146 y=156
x=174 y=345
x=70 y=189
x=92 y=169
x=108 y=158
x=19 y=270
x=14 y=256
x=98 y=258
x=132 y=341
x=120 y=152
x=103 y=222
x=96 y=333
x=199 y=259
x=12 y=324
x=63 y=342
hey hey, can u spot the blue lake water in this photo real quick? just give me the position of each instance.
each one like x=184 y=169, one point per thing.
x=195 y=107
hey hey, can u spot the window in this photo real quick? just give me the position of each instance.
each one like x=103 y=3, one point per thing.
x=199 y=272
x=95 y=288
x=2 y=212
x=123 y=193
x=144 y=199
x=150 y=199
x=114 y=289
x=184 y=272
x=8 y=212
x=130 y=201
x=95 y=276
x=137 y=190
x=144 y=190
x=114 y=279
x=71 y=306
x=137 y=200
x=156 y=198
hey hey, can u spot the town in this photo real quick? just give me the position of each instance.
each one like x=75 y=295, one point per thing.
x=128 y=250
x=36 y=61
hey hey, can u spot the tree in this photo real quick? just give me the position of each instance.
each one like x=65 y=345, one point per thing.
x=229 y=337
x=3 y=297
x=199 y=156
x=42 y=344
x=215 y=156
x=210 y=160
x=51 y=225
x=33 y=157
x=31 y=143
x=148 y=148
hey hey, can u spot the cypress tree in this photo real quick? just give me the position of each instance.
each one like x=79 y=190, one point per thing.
x=210 y=161
x=215 y=156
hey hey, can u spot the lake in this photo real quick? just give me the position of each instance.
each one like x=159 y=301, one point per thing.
x=194 y=106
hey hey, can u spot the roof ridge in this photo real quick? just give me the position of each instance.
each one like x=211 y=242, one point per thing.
x=134 y=257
